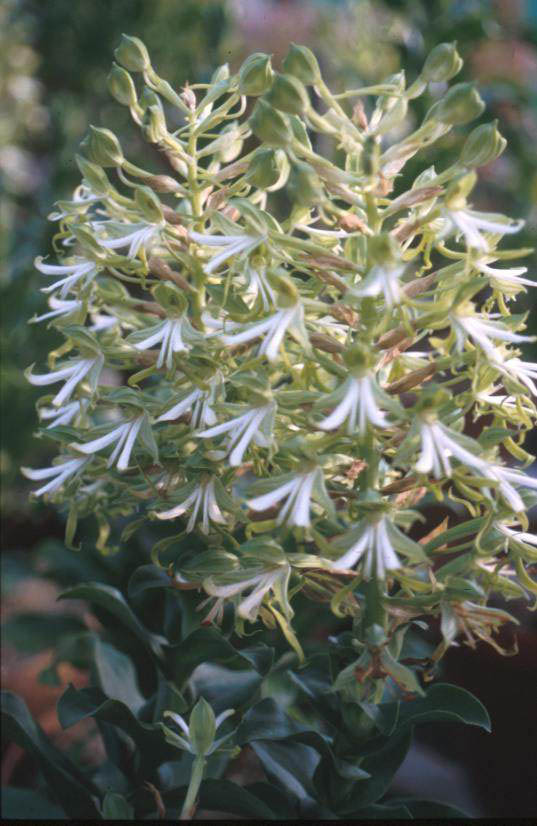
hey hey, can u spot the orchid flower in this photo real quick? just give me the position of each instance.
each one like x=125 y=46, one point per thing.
x=124 y=437
x=272 y=329
x=258 y=284
x=170 y=334
x=523 y=371
x=437 y=446
x=63 y=415
x=262 y=583
x=482 y=332
x=382 y=280
x=188 y=742
x=372 y=543
x=470 y=224
x=135 y=236
x=254 y=425
x=73 y=371
x=202 y=497
x=199 y=402
x=231 y=245
x=59 y=308
x=505 y=278
x=82 y=270
x=358 y=406
x=297 y=492
x=57 y=474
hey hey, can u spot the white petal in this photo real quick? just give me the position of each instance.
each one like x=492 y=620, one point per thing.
x=267 y=500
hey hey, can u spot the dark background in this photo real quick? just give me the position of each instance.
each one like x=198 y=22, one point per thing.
x=54 y=59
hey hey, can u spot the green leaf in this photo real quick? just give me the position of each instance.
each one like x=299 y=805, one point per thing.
x=31 y=632
x=283 y=803
x=117 y=676
x=115 y=807
x=290 y=765
x=442 y=703
x=146 y=577
x=208 y=645
x=386 y=812
x=25 y=804
x=114 y=602
x=382 y=765
x=226 y=688
x=266 y=721
x=77 y=704
x=225 y=796
x=73 y=790
x=429 y=809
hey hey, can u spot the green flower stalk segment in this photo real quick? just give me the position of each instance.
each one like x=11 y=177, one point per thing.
x=282 y=351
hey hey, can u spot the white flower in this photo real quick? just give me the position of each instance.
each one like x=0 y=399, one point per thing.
x=437 y=446
x=59 y=308
x=358 y=406
x=258 y=284
x=199 y=402
x=256 y=424
x=63 y=415
x=124 y=436
x=231 y=244
x=508 y=403
x=523 y=371
x=57 y=474
x=185 y=743
x=325 y=233
x=482 y=332
x=375 y=544
x=471 y=224
x=134 y=236
x=262 y=582
x=383 y=280
x=203 y=496
x=101 y=321
x=517 y=535
x=507 y=477
x=297 y=492
x=170 y=333
x=82 y=269
x=502 y=278
x=272 y=328
x=74 y=371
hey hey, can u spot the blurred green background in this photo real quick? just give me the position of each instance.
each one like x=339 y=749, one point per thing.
x=54 y=59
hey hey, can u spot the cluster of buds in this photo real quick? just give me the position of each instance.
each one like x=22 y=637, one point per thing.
x=281 y=351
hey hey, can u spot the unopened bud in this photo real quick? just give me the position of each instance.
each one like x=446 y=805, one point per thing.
x=268 y=168
x=483 y=145
x=459 y=189
x=222 y=73
x=121 y=86
x=358 y=357
x=171 y=298
x=288 y=94
x=442 y=63
x=132 y=54
x=148 y=203
x=459 y=105
x=302 y=63
x=94 y=175
x=103 y=147
x=149 y=98
x=255 y=75
x=154 y=124
x=162 y=183
x=382 y=250
x=188 y=97
x=202 y=727
x=304 y=186
x=269 y=125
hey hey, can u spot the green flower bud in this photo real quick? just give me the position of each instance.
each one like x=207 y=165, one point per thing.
x=288 y=94
x=121 y=86
x=462 y=103
x=302 y=63
x=459 y=189
x=483 y=145
x=304 y=185
x=148 y=203
x=202 y=727
x=442 y=63
x=162 y=183
x=269 y=168
x=170 y=297
x=149 y=98
x=154 y=124
x=382 y=250
x=94 y=175
x=269 y=125
x=132 y=54
x=103 y=147
x=255 y=75
x=358 y=358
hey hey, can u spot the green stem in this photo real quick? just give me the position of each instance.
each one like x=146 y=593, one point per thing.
x=193 y=788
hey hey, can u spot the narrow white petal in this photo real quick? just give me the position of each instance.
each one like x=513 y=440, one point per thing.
x=102 y=441
x=123 y=461
x=267 y=500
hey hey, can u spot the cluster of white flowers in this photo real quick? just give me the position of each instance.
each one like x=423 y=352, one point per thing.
x=230 y=332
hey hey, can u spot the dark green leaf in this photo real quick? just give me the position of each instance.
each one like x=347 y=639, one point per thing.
x=388 y=812
x=146 y=577
x=25 y=804
x=34 y=632
x=73 y=790
x=442 y=703
x=290 y=765
x=117 y=676
x=283 y=803
x=208 y=645
x=114 y=602
x=225 y=796
x=224 y=688
x=115 y=807
x=429 y=809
